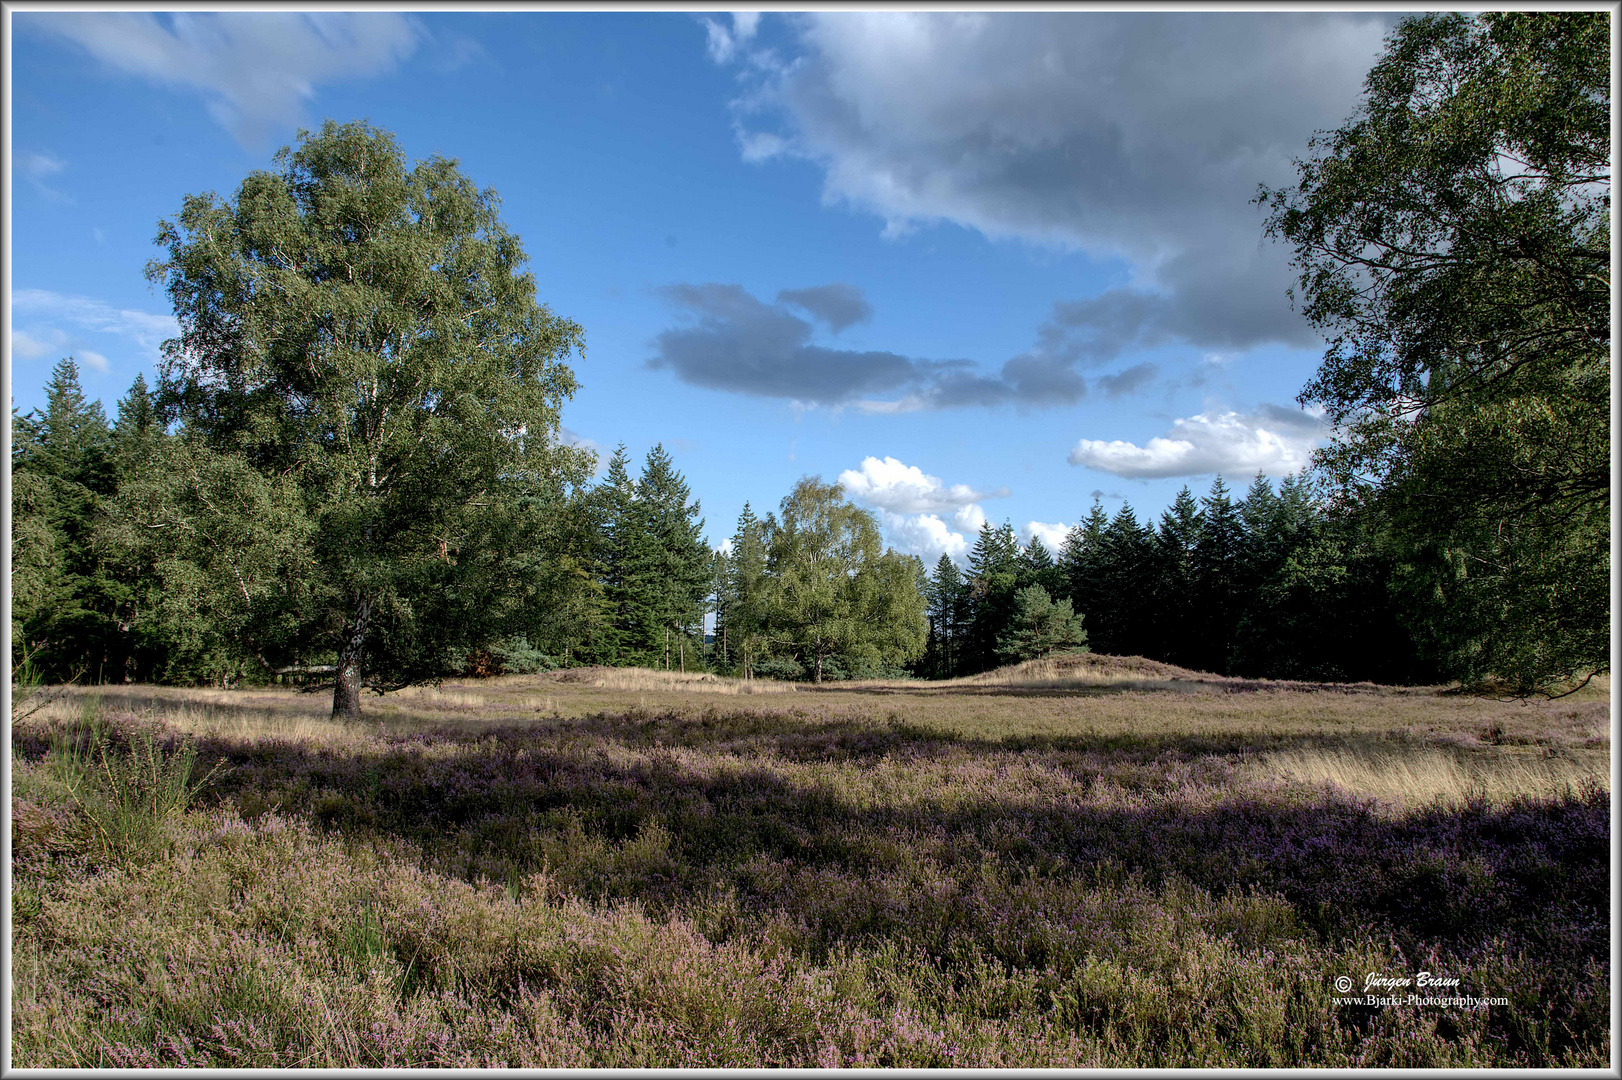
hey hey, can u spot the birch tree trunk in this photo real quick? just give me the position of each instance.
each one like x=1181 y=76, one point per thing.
x=347 y=683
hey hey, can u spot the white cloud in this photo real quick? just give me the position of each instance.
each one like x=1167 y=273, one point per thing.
x=28 y=347
x=146 y=330
x=1052 y=535
x=924 y=535
x=971 y=519
x=891 y=485
x=723 y=43
x=569 y=437
x=91 y=359
x=1272 y=440
x=39 y=166
x=255 y=70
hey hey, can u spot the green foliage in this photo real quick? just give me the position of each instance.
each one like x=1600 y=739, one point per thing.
x=361 y=348
x=1453 y=244
x=1040 y=627
x=516 y=656
x=130 y=798
x=743 y=614
x=833 y=591
x=62 y=473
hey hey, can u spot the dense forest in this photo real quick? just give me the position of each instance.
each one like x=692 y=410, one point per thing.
x=349 y=471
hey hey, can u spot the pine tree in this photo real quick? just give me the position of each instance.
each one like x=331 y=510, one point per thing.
x=1039 y=627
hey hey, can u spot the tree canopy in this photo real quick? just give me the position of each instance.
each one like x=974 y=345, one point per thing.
x=361 y=332
x=1452 y=242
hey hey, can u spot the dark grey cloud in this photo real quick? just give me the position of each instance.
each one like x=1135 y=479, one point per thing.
x=738 y=343
x=838 y=305
x=1125 y=382
x=1132 y=136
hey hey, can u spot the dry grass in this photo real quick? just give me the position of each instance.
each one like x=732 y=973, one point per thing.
x=612 y=678
x=1405 y=778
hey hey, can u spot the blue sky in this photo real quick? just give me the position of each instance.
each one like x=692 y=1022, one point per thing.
x=973 y=266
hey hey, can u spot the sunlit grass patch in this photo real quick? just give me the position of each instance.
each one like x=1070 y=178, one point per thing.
x=1408 y=776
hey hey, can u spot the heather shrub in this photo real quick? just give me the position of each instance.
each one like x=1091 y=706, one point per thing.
x=804 y=886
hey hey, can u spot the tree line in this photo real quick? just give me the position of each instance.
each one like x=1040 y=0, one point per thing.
x=130 y=564
x=350 y=470
x=1276 y=585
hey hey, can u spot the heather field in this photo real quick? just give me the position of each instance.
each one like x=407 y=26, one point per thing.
x=1100 y=862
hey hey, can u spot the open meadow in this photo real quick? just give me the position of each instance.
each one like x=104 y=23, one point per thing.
x=1101 y=862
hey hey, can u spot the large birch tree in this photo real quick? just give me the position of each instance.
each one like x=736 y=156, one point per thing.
x=362 y=331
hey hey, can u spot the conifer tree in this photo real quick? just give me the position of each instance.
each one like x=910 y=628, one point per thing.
x=748 y=600
x=62 y=473
x=945 y=598
x=1080 y=564
x=1175 y=540
x=1039 y=627
x=1128 y=599
x=669 y=566
x=620 y=538
x=1219 y=549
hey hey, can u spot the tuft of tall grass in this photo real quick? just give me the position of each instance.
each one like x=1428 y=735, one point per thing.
x=131 y=797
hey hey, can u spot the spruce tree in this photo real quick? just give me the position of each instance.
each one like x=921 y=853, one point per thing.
x=1176 y=634
x=745 y=619
x=62 y=473
x=1127 y=597
x=669 y=565
x=620 y=538
x=945 y=609
x=1216 y=566
x=1080 y=564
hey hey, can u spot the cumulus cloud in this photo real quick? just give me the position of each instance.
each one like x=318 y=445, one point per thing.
x=1136 y=136
x=255 y=70
x=924 y=535
x=738 y=343
x=971 y=518
x=913 y=507
x=92 y=359
x=1272 y=440
x=889 y=484
x=1052 y=535
x=146 y=330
